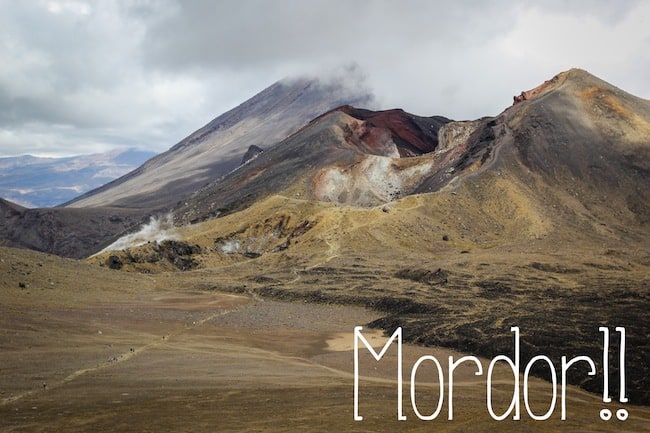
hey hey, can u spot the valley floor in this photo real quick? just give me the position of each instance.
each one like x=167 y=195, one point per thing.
x=173 y=359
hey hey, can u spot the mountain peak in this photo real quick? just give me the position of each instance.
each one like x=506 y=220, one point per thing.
x=546 y=86
x=219 y=147
x=573 y=74
x=576 y=79
x=590 y=102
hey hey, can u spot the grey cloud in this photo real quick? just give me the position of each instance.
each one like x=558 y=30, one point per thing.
x=235 y=34
x=80 y=78
x=410 y=51
x=607 y=11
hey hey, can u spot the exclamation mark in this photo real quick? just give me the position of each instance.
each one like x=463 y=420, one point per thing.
x=606 y=414
x=621 y=414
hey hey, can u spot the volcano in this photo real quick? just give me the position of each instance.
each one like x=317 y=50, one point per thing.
x=576 y=141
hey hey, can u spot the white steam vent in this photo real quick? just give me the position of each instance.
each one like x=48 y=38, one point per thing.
x=157 y=229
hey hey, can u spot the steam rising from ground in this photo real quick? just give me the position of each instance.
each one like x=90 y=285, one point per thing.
x=158 y=228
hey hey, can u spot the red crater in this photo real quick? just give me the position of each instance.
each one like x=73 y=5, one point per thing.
x=413 y=135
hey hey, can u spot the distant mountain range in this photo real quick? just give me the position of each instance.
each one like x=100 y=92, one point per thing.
x=37 y=182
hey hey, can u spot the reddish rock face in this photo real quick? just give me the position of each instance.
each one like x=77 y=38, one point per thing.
x=413 y=135
x=529 y=94
x=369 y=139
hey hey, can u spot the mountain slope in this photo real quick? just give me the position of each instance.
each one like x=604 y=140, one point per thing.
x=591 y=141
x=337 y=157
x=173 y=176
x=66 y=232
x=219 y=146
x=46 y=182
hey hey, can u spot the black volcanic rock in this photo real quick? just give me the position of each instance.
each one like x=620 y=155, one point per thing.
x=73 y=233
x=251 y=153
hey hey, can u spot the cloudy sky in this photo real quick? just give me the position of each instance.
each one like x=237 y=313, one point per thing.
x=88 y=76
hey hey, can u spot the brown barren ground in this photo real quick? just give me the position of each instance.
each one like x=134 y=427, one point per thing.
x=83 y=348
